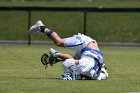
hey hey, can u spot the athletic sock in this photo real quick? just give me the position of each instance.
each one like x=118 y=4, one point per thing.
x=42 y=28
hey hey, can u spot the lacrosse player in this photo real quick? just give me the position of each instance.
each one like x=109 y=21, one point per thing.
x=88 y=61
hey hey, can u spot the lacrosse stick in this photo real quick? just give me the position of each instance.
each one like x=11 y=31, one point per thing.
x=46 y=59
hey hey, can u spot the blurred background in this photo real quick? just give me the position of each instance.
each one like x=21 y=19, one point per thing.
x=105 y=27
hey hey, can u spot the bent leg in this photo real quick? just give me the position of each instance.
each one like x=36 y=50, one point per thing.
x=54 y=37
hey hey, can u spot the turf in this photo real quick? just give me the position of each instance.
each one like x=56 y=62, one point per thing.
x=85 y=3
x=104 y=27
x=22 y=72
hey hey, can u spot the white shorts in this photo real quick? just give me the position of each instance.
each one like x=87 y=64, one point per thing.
x=86 y=66
x=77 y=42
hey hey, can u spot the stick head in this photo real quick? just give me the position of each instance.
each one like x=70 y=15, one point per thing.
x=46 y=59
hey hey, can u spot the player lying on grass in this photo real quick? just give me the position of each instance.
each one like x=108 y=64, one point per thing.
x=88 y=60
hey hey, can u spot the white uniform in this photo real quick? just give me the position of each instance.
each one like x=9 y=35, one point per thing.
x=77 y=42
x=85 y=66
x=89 y=59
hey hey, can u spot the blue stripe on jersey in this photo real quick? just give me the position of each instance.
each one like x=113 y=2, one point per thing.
x=89 y=49
x=96 y=66
x=100 y=56
x=74 y=45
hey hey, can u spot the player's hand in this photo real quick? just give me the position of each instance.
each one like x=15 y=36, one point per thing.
x=67 y=77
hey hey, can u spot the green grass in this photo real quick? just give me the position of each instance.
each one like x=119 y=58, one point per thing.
x=104 y=27
x=95 y=3
x=22 y=72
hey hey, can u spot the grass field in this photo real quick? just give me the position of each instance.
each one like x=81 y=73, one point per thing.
x=96 y=3
x=22 y=72
x=114 y=27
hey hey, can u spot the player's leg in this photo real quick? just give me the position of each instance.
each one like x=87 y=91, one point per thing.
x=75 y=42
x=54 y=37
x=39 y=26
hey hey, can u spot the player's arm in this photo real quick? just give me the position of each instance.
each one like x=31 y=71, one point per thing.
x=64 y=56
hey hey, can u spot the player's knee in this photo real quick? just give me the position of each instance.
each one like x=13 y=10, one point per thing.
x=59 y=44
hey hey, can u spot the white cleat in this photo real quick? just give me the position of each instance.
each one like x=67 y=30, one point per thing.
x=36 y=27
